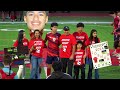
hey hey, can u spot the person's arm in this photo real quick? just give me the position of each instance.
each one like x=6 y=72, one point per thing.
x=15 y=43
x=73 y=47
x=45 y=46
x=0 y=76
x=73 y=52
x=31 y=46
x=32 y=49
x=87 y=43
x=59 y=40
x=84 y=56
x=45 y=39
x=117 y=21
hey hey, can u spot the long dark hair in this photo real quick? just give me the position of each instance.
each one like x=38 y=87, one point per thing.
x=20 y=37
x=91 y=36
x=39 y=34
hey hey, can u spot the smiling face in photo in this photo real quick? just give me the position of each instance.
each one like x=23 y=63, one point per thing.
x=36 y=19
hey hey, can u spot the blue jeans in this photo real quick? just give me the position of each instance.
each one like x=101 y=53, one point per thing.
x=35 y=61
x=90 y=70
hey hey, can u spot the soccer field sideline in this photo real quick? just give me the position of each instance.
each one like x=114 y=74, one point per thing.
x=69 y=22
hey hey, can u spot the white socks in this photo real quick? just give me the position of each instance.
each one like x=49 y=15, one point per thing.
x=20 y=70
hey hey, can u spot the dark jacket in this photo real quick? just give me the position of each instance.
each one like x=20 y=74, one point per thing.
x=59 y=75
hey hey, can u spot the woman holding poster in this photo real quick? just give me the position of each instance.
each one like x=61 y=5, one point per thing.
x=92 y=40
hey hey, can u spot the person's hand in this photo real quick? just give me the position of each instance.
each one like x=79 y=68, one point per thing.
x=32 y=48
x=71 y=57
x=83 y=61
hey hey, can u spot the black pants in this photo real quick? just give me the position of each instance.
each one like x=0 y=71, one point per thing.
x=76 y=71
x=66 y=62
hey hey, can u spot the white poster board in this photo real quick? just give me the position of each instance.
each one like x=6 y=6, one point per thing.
x=100 y=55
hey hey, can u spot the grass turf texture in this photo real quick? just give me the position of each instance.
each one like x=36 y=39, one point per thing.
x=7 y=37
x=104 y=30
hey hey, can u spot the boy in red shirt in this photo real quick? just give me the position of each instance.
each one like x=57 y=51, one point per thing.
x=68 y=43
x=22 y=40
x=115 y=22
x=92 y=40
x=36 y=46
x=79 y=61
x=80 y=35
x=53 y=46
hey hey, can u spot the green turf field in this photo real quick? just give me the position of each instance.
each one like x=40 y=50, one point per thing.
x=104 y=33
x=7 y=37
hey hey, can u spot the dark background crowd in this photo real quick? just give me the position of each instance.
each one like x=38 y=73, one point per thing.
x=17 y=15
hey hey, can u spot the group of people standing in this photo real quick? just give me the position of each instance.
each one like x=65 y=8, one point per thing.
x=75 y=51
x=72 y=50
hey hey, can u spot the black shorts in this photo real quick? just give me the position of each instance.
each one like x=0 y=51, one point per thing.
x=51 y=59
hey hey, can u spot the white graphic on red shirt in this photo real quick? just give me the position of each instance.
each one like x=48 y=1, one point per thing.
x=64 y=44
x=37 y=45
x=54 y=39
x=64 y=48
x=25 y=43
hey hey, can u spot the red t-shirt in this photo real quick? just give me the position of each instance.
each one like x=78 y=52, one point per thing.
x=38 y=45
x=81 y=36
x=119 y=22
x=116 y=21
x=25 y=42
x=78 y=57
x=117 y=50
x=67 y=42
x=53 y=44
x=88 y=42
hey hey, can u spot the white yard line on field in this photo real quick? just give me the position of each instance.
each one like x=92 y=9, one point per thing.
x=15 y=29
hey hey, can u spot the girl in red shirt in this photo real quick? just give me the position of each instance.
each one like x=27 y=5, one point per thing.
x=31 y=32
x=22 y=40
x=36 y=46
x=79 y=61
x=92 y=40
